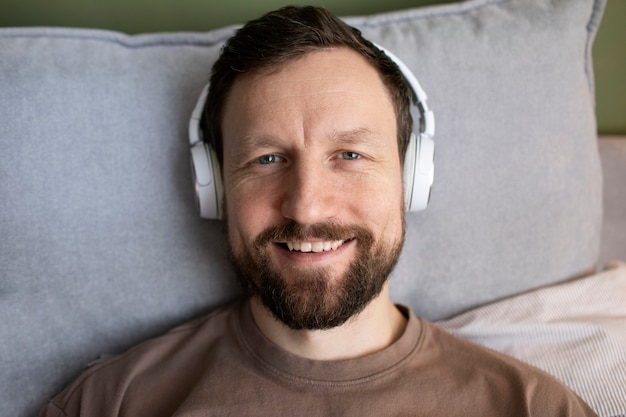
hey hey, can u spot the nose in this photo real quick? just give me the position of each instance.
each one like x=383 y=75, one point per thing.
x=310 y=194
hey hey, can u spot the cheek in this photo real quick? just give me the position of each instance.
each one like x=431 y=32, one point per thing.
x=248 y=213
x=382 y=204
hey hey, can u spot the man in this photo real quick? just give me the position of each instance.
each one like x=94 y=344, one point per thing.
x=310 y=123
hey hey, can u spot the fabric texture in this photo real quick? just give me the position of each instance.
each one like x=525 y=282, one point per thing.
x=575 y=331
x=223 y=365
x=613 y=154
x=101 y=244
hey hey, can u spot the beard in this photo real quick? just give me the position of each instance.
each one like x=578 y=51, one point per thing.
x=316 y=299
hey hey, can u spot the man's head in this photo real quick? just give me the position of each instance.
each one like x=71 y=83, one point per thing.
x=311 y=165
x=287 y=34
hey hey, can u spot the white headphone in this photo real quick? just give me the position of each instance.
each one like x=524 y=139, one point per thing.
x=419 y=165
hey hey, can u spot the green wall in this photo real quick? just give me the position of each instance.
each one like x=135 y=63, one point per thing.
x=136 y=16
x=609 y=54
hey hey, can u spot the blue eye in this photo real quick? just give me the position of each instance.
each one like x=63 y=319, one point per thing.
x=269 y=159
x=349 y=156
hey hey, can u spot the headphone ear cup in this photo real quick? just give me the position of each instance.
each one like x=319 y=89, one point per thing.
x=419 y=169
x=207 y=181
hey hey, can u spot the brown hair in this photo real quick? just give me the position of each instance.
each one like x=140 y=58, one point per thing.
x=285 y=35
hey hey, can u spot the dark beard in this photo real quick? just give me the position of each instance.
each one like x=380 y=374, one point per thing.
x=315 y=302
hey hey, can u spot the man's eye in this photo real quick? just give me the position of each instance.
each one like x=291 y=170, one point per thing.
x=350 y=156
x=269 y=159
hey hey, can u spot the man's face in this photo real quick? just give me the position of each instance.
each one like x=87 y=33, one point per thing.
x=313 y=186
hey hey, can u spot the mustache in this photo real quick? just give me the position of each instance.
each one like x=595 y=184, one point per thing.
x=293 y=231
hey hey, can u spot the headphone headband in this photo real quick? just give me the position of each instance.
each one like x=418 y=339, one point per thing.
x=427 y=126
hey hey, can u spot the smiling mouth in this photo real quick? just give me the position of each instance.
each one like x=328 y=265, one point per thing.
x=316 y=247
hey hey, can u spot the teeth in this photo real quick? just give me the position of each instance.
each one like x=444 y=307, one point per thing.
x=314 y=246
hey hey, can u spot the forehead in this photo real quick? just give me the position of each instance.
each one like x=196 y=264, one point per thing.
x=328 y=89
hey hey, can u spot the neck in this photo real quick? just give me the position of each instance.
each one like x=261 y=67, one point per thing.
x=375 y=328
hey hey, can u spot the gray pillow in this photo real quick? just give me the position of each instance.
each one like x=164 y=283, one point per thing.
x=101 y=244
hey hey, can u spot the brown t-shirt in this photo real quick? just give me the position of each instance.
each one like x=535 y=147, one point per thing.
x=222 y=365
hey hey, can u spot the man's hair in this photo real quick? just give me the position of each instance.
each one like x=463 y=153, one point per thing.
x=284 y=35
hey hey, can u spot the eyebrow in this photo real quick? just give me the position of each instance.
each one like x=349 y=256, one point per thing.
x=248 y=143
x=356 y=136
x=253 y=142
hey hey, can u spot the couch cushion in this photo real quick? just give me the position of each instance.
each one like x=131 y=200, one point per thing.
x=613 y=155
x=102 y=246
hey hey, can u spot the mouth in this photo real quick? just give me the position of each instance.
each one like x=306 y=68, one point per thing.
x=315 y=247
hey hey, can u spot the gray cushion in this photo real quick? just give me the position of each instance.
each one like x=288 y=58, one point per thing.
x=101 y=245
x=613 y=154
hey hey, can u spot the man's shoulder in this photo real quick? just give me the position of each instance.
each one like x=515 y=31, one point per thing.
x=169 y=358
x=516 y=382
x=201 y=330
x=214 y=321
x=474 y=358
